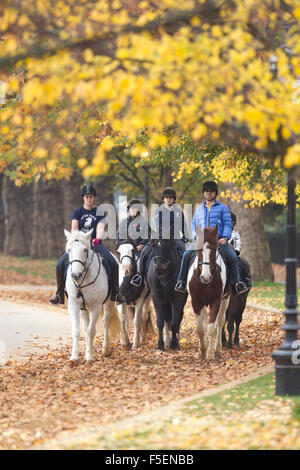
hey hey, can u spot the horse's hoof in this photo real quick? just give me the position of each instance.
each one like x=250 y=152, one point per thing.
x=229 y=346
x=174 y=345
x=73 y=362
x=90 y=361
x=106 y=353
x=237 y=347
x=127 y=347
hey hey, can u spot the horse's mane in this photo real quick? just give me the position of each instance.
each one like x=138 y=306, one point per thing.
x=130 y=241
x=80 y=236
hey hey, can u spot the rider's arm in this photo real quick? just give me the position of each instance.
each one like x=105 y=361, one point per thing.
x=100 y=230
x=74 y=225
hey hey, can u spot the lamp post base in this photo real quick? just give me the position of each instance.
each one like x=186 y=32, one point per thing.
x=287 y=380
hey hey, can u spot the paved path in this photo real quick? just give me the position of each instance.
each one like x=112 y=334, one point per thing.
x=25 y=329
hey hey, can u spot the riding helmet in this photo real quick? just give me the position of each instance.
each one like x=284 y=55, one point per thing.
x=133 y=202
x=233 y=217
x=88 y=189
x=210 y=185
x=169 y=192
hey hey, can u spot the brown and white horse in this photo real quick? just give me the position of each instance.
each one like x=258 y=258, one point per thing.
x=209 y=292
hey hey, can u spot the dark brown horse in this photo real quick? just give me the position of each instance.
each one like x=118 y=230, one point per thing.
x=210 y=293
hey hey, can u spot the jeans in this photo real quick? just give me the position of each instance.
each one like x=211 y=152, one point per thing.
x=228 y=254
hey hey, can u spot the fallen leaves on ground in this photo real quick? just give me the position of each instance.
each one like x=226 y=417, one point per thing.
x=45 y=394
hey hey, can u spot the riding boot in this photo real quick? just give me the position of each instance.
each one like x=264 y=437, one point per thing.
x=59 y=297
x=115 y=294
x=181 y=279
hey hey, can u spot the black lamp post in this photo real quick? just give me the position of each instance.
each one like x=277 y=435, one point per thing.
x=287 y=356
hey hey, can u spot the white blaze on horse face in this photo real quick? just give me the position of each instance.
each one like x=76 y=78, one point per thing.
x=205 y=271
x=126 y=252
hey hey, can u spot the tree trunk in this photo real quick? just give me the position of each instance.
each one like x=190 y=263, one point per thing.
x=255 y=247
x=48 y=240
x=18 y=221
x=71 y=198
x=2 y=214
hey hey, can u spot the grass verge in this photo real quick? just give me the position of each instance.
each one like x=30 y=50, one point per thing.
x=268 y=293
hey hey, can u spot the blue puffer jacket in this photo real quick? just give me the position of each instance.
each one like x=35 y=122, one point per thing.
x=218 y=214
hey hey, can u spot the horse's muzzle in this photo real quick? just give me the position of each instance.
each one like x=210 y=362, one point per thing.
x=77 y=276
x=205 y=279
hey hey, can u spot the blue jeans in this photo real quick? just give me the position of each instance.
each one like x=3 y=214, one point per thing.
x=230 y=258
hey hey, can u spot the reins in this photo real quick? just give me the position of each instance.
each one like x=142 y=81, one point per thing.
x=86 y=268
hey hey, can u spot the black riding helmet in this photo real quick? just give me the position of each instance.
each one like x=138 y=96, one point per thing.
x=88 y=189
x=210 y=185
x=233 y=217
x=169 y=192
x=133 y=202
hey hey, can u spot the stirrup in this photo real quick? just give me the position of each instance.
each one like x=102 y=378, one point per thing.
x=180 y=287
x=241 y=289
x=136 y=280
x=56 y=300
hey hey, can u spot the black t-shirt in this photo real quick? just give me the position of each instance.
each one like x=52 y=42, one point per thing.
x=87 y=219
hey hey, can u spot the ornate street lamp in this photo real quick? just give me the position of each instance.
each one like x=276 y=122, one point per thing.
x=287 y=356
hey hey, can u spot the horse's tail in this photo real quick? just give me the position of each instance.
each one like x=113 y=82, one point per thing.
x=149 y=324
x=115 y=327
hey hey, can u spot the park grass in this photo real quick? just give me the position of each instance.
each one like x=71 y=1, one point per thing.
x=268 y=293
x=248 y=417
x=18 y=269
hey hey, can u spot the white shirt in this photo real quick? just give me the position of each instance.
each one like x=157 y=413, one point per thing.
x=235 y=240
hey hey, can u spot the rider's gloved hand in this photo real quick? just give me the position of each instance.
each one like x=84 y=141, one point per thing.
x=96 y=241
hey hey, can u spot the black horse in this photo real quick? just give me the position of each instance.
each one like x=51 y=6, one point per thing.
x=161 y=278
x=235 y=310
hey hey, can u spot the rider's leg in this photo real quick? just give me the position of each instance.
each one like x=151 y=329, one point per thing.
x=59 y=297
x=137 y=279
x=114 y=267
x=181 y=279
x=230 y=255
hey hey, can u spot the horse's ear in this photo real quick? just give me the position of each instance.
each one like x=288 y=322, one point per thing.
x=199 y=239
x=89 y=233
x=67 y=234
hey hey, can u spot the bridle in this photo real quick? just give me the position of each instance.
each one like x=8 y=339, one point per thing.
x=86 y=269
x=212 y=266
x=167 y=262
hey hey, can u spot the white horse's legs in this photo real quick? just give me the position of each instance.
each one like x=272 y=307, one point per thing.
x=74 y=312
x=145 y=319
x=124 y=336
x=106 y=348
x=220 y=321
x=138 y=318
x=167 y=337
x=90 y=335
x=211 y=334
x=201 y=320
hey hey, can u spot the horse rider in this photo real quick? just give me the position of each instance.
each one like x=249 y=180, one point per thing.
x=84 y=219
x=134 y=226
x=209 y=214
x=170 y=223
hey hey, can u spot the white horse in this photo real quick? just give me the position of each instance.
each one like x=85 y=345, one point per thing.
x=87 y=289
x=210 y=294
x=141 y=303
